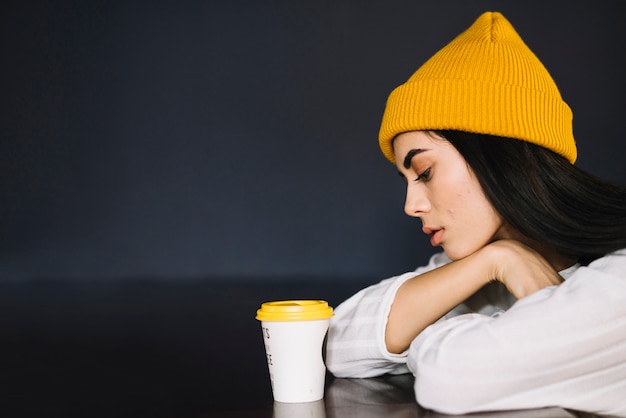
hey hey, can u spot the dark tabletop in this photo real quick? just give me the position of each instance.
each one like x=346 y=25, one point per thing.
x=167 y=348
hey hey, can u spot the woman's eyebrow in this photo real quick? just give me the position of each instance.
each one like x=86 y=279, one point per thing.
x=412 y=153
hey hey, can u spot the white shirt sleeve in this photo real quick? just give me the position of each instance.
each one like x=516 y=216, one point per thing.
x=356 y=337
x=561 y=346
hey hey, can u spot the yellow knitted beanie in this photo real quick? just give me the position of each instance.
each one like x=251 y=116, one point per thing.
x=485 y=81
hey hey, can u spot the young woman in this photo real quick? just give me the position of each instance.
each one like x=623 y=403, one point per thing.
x=526 y=306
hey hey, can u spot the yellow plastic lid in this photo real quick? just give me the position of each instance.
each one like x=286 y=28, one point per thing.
x=294 y=310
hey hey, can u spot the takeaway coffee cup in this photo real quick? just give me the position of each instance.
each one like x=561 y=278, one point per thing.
x=293 y=333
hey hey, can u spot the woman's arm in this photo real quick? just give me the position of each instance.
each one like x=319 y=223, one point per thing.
x=564 y=345
x=422 y=300
x=371 y=331
x=356 y=337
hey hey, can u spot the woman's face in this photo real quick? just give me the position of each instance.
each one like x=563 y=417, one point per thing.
x=444 y=193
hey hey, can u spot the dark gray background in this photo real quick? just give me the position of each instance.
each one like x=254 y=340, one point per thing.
x=238 y=139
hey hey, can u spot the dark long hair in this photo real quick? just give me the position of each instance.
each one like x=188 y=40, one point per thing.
x=544 y=197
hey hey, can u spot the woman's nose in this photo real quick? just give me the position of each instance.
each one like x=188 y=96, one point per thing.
x=416 y=202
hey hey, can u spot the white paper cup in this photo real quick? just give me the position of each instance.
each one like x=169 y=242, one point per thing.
x=293 y=333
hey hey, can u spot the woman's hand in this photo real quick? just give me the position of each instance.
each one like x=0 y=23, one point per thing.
x=520 y=268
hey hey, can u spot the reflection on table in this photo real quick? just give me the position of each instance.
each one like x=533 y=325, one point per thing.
x=389 y=396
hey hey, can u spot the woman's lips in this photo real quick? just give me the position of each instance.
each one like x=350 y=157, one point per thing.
x=435 y=237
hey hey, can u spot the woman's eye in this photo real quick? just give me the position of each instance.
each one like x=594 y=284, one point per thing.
x=424 y=176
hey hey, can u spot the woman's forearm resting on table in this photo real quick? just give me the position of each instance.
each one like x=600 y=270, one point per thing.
x=356 y=337
x=562 y=345
x=424 y=299
x=372 y=329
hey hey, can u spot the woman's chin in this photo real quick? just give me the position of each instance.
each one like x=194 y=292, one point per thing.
x=455 y=254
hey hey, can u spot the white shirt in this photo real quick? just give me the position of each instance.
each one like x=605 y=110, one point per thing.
x=562 y=346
